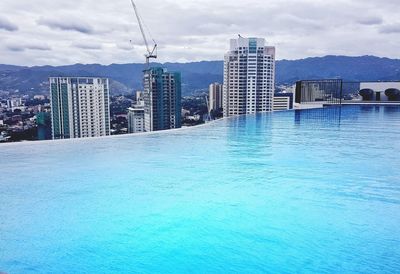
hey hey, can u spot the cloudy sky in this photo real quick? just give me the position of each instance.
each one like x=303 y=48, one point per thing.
x=56 y=32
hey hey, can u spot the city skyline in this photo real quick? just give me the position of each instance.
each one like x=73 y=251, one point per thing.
x=199 y=136
x=34 y=36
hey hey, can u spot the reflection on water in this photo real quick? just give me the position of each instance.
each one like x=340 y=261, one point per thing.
x=250 y=136
x=244 y=194
x=369 y=108
x=335 y=116
x=328 y=116
x=391 y=109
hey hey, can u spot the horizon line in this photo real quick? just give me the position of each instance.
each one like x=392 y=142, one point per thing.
x=193 y=62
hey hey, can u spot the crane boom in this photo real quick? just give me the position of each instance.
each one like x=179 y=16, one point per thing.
x=208 y=109
x=150 y=52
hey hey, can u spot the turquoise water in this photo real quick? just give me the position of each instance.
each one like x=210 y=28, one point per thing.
x=315 y=191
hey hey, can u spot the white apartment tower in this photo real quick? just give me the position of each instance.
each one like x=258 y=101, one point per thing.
x=249 y=77
x=80 y=107
x=136 y=118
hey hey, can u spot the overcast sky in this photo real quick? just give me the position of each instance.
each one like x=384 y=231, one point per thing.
x=39 y=32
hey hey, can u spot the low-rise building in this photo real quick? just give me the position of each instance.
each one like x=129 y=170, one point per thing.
x=283 y=101
x=195 y=117
x=39 y=97
x=185 y=112
x=14 y=102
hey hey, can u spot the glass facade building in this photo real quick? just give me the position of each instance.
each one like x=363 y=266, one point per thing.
x=162 y=99
x=43 y=122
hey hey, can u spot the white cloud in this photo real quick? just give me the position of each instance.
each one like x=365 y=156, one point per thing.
x=27 y=45
x=103 y=31
x=68 y=24
x=87 y=45
x=5 y=24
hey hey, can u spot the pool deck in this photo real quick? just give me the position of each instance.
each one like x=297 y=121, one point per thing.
x=312 y=105
x=373 y=103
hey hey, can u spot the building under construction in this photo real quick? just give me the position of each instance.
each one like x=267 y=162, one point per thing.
x=162 y=99
x=162 y=90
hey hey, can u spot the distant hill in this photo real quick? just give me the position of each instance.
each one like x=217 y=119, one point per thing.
x=364 y=68
x=198 y=75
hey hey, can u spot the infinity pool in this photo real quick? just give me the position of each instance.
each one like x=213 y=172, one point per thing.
x=313 y=191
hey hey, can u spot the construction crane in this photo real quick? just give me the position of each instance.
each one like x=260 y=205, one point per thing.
x=208 y=109
x=151 y=53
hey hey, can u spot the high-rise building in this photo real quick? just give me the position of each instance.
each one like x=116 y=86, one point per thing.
x=162 y=99
x=80 y=107
x=215 y=96
x=136 y=118
x=249 y=77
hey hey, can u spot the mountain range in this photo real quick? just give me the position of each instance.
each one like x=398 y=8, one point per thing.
x=196 y=76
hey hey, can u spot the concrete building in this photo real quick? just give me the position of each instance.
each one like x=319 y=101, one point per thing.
x=139 y=97
x=136 y=119
x=80 y=107
x=14 y=103
x=283 y=101
x=215 y=96
x=249 y=77
x=162 y=99
x=39 y=97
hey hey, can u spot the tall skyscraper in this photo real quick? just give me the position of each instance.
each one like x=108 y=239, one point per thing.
x=215 y=96
x=80 y=107
x=162 y=99
x=249 y=77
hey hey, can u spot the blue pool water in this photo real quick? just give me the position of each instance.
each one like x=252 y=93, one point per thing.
x=316 y=191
